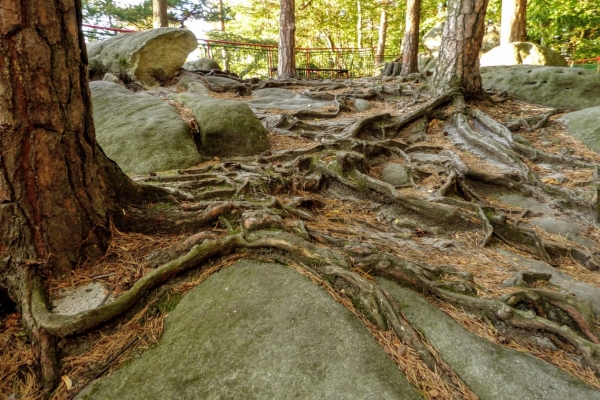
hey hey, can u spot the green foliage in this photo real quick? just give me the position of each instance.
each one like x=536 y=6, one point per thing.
x=110 y=13
x=571 y=27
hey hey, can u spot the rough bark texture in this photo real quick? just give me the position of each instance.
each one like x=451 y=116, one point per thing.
x=410 y=43
x=287 y=40
x=359 y=23
x=383 y=22
x=514 y=21
x=458 y=66
x=50 y=200
x=159 y=14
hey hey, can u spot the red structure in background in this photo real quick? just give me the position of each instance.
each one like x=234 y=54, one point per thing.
x=588 y=63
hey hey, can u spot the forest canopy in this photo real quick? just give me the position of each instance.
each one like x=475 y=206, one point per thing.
x=571 y=27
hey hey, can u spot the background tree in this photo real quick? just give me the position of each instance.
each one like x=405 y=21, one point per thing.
x=458 y=65
x=159 y=14
x=514 y=21
x=410 y=44
x=286 y=63
x=383 y=26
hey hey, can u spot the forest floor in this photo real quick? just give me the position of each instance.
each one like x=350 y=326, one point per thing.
x=447 y=232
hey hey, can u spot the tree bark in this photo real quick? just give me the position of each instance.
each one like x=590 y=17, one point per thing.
x=359 y=24
x=383 y=22
x=458 y=65
x=514 y=21
x=159 y=14
x=50 y=199
x=410 y=54
x=286 y=67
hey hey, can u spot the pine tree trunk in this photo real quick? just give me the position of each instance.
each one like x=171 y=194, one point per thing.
x=380 y=54
x=514 y=21
x=458 y=65
x=410 y=54
x=286 y=67
x=359 y=24
x=159 y=14
x=51 y=206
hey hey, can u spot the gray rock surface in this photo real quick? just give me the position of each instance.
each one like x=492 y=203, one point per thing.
x=581 y=290
x=220 y=84
x=192 y=84
x=432 y=39
x=140 y=132
x=395 y=174
x=362 y=105
x=518 y=53
x=260 y=331
x=549 y=86
x=144 y=57
x=567 y=229
x=491 y=371
x=282 y=99
x=227 y=127
x=202 y=64
x=585 y=126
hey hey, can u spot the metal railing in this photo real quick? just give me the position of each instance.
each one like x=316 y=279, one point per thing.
x=260 y=60
x=95 y=32
x=588 y=63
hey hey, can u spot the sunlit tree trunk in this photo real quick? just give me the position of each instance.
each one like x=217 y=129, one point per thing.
x=514 y=21
x=286 y=66
x=159 y=14
x=458 y=65
x=383 y=22
x=359 y=24
x=410 y=43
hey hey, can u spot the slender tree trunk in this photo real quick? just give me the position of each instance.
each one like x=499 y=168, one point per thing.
x=159 y=14
x=410 y=44
x=51 y=206
x=514 y=21
x=286 y=67
x=359 y=24
x=383 y=22
x=458 y=65
x=222 y=28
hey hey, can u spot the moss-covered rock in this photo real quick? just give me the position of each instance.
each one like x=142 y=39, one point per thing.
x=144 y=57
x=260 y=331
x=227 y=127
x=522 y=53
x=585 y=126
x=550 y=86
x=140 y=132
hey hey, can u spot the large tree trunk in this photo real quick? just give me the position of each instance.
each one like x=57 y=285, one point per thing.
x=514 y=21
x=410 y=43
x=458 y=65
x=159 y=14
x=383 y=22
x=51 y=206
x=286 y=67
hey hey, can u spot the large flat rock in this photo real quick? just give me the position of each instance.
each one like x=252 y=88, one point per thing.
x=585 y=126
x=140 y=132
x=145 y=57
x=549 y=86
x=491 y=371
x=260 y=331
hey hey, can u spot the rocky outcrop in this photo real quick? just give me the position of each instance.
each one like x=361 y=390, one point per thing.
x=432 y=39
x=549 y=86
x=519 y=53
x=227 y=127
x=139 y=132
x=491 y=371
x=585 y=126
x=202 y=64
x=260 y=331
x=144 y=57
